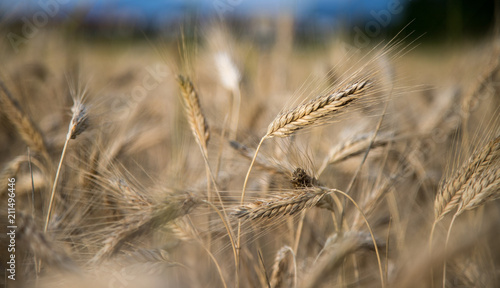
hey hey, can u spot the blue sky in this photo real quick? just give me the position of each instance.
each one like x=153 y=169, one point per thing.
x=156 y=11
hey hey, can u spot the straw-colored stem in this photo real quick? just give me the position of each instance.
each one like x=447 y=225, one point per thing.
x=430 y=249
x=238 y=237
x=446 y=248
x=249 y=170
x=54 y=186
x=35 y=260
x=382 y=282
x=219 y=270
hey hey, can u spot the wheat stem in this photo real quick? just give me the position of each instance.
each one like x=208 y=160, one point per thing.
x=54 y=185
x=382 y=282
x=238 y=239
x=446 y=248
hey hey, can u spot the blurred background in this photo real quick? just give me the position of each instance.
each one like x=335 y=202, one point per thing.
x=262 y=56
x=439 y=21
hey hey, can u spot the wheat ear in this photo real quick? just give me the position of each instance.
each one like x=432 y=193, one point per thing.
x=315 y=112
x=484 y=184
x=450 y=194
x=196 y=119
x=284 y=204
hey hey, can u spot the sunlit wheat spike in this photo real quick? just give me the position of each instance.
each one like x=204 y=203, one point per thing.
x=196 y=119
x=316 y=111
x=451 y=192
x=284 y=204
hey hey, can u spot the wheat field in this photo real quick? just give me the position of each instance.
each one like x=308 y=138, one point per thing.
x=211 y=161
